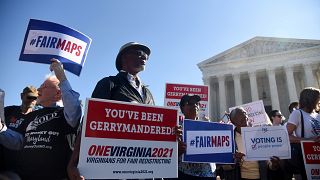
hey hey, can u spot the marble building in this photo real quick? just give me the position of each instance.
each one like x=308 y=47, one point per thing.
x=274 y=70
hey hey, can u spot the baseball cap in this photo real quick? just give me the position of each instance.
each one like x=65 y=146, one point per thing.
x=189 y=98
x=30 y=91
x=127 y=46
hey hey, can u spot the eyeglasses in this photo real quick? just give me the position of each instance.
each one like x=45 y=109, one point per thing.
x=138 y=53
x=279 y=116
x=193 y=103
x=31 y=98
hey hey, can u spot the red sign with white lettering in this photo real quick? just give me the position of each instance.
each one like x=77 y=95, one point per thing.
x=118 y=120
x=176 y=91
x=312 y=152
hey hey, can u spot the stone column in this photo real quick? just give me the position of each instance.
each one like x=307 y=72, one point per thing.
x=310 y=80
x=273 y=89
x=291 y=84
x=253 y=85
x=237 y=88
x=206 y=81
x=222 y=94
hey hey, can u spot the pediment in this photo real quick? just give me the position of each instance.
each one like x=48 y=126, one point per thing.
x=260 y=46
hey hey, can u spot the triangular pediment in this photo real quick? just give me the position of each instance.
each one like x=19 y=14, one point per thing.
x=261 y=46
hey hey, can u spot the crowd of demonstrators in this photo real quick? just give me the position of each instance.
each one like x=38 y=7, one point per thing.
x=125 y=86
x=14 y=117
x=34 y=144
x=41 y=138
x=189 y=106
x=304 y=123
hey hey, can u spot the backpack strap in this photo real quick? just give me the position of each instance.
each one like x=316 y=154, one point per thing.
x=302 y=124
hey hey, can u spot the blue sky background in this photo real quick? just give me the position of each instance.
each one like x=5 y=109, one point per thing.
x=180 y=33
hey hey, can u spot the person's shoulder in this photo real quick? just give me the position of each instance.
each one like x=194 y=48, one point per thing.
x=11 y=108
x=296 y=112
x=108 y=79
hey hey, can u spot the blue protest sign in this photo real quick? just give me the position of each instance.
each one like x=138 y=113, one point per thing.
x=208 y=142
x=45 y=40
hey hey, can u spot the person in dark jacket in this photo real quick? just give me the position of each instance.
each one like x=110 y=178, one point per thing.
x=125 y=86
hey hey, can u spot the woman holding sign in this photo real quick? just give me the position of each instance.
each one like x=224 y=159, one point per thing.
x=305 y=123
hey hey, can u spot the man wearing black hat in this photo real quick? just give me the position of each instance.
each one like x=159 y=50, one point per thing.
x=125 y=86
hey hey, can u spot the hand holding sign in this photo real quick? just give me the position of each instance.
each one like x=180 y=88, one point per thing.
x=57 y=67
x=45 y=40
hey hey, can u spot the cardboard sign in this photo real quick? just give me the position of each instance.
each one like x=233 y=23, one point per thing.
x=124 y=141
x=256 y=113
x=261 y=143
x=45 y=40
x=174 y=92
x=208 y=142
x=311 y=157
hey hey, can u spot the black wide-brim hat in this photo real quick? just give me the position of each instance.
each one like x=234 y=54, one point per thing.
x=126 y=47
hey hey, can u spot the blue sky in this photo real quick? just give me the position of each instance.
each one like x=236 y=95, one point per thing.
x=180 y=33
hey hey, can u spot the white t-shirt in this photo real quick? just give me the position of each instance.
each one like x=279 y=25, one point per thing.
x=311 y=123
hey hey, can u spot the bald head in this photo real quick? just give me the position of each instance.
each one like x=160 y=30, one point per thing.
x=238 y=117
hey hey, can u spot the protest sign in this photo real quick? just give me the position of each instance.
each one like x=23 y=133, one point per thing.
x=256 y=113
x=261 y=143
x=311 y=157
x=208 y=142
x=124 y=141
x=174 y=92
x=45 y=40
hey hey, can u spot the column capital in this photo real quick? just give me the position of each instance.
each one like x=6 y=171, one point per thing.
x=221 y=77
x=252 y=72
x=236 y=74
x=270 y=69
x=308 y=65
x=288 y=67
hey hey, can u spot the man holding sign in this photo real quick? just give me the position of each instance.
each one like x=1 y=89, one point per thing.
x=125 y=86
x=43 y=143
x=248 y=169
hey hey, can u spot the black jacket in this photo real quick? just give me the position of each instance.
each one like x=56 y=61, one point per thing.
x=118 y=88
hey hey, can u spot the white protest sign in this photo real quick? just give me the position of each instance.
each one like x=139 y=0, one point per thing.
x=256 y=113
x=261 y=143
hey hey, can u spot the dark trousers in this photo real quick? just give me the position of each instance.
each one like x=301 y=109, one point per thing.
x=184 y=176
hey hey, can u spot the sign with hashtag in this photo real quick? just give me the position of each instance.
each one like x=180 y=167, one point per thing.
x=261 y=143
x=45 y=40
x=208 y=142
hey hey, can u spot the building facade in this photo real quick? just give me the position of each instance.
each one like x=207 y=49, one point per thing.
x=274 y=70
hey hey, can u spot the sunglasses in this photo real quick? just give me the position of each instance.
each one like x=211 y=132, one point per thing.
x=31 y=98
x=190 y=103
x=279 y=116
x=138 y=53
